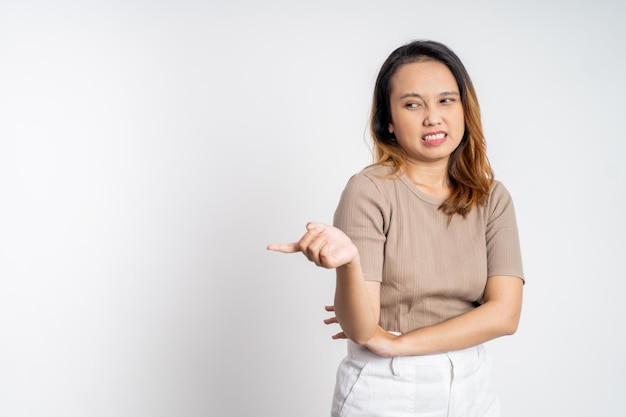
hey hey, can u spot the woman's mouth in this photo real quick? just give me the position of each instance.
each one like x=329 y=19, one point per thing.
x=434 y=138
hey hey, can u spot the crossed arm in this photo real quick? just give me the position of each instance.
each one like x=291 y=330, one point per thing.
x=357 y=302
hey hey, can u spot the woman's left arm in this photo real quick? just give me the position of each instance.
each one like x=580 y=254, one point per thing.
x=498 y=316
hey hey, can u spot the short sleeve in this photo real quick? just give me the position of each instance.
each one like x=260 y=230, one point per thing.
x=360 y=214
x=502 y=237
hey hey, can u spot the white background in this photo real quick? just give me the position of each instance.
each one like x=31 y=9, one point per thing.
x=150 y=150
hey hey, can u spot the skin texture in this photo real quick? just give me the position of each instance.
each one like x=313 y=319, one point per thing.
x=425 y=103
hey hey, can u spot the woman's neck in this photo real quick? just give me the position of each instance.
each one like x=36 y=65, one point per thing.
x=430 y=178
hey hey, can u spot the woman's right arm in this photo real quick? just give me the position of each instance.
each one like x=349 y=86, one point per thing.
x=356 y=301
x=362 y=213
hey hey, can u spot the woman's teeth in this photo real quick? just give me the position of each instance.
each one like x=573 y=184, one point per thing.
x=437 y=136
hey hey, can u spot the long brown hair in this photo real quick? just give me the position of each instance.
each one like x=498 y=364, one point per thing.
x=469 y=173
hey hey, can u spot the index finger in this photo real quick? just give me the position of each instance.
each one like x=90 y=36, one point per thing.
x=285 y=247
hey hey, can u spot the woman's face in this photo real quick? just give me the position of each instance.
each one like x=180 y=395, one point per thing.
x=426 y=111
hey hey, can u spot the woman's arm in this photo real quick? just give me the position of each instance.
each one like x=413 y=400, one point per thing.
x=356 y=305
x=498 y=316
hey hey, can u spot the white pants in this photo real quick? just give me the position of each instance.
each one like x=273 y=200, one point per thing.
x=453 y=384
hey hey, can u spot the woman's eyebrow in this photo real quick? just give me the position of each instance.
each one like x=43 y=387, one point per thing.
x=443 y=94
x=406 y=95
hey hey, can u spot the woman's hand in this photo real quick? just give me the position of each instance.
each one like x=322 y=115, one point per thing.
x=381 y=343
x=322 y=244
x=333 y=320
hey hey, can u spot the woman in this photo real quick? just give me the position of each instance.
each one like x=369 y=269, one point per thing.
x=425 y=247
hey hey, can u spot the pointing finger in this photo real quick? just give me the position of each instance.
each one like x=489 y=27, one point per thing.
x=285 y=247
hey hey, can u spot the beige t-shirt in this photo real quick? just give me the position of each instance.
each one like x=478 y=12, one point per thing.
x=430 y=271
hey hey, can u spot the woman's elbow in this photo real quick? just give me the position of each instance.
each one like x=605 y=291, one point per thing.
x=359 y=341
x=361 y=338
x=509 y=325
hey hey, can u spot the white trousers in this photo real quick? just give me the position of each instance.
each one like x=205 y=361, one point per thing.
x=453 y=384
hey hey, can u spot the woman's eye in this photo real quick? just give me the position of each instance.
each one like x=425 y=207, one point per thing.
x=447 y=100
x=413 y=105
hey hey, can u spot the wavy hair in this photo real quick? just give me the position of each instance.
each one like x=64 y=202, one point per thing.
x=469 y=173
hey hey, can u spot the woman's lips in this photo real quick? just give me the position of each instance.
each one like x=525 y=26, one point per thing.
x=434 y=138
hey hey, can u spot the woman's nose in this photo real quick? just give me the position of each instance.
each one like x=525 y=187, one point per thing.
x=433 y=117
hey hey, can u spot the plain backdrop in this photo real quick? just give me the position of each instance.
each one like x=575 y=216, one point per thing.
x=150 y=150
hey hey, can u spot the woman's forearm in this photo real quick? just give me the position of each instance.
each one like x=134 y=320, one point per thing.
x=498 y=316
x=470 y=329
x=353 y=305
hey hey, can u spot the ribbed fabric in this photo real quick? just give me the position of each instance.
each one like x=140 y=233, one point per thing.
x=430 y=270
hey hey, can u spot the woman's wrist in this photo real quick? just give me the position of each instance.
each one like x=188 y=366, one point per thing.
x=353 y=264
